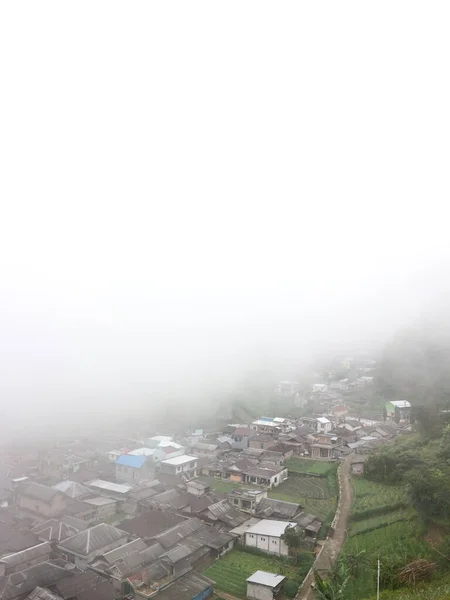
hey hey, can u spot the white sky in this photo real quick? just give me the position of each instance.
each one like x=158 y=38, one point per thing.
x=187 y=187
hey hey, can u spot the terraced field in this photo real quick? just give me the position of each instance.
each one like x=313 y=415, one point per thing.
x=231 y=572
x=381 y=524
x=370 y=496
x=306 y=465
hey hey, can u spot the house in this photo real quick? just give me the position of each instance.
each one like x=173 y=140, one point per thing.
x=324 y=446
x=138 y=465
x=263 y=585
x=150 y=524
x=183 y=465
x=398 y=411
x=56 y=530
x=269 y=425
x=262 y=441
x=352 y=425
x=104 y=507
x=190 y=586
x=223 y=515
x=197 y=487
x=269 y=508
x=167 y=445
x=241 y=437
x=83 y=547
x=41 y=500
x=318 y=424
x=117 y=491
x=246 y=499
x=266 y=536
x=319 y=387
x=357 y=464
x=24 y=559
x=84 y=585
x=73 y=489
x=259 y=475
x=18 y=585
x=340 y=410
x=12 y=539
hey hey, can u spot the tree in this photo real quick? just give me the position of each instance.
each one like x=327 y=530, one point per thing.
x=293 y=537
x=332 y=588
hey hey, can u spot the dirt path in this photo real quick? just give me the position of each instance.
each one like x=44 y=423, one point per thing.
x=333 y=544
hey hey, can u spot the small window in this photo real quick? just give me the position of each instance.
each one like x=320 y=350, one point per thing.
x=263 y=539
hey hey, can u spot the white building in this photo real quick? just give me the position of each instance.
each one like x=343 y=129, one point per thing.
x=324 y=425
x=320 y=387
x=180 y=465
x=264 y=585
x=266 y=535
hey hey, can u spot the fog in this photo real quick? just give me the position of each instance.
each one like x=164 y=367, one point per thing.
x=191 y=191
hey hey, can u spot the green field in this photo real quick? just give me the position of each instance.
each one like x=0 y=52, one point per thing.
x=312 y=493
x=370 y=497
x=371 y=523
x=231 y=572
x=381 y=524
x=306 y=465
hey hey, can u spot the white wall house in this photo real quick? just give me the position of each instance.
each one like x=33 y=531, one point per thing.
x=266 y=535
x=180 y=465
x=324 y=425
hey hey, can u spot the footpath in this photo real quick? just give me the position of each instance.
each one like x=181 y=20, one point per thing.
x=336 y=538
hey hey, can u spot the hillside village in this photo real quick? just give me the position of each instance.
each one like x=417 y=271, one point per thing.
x=117 y=518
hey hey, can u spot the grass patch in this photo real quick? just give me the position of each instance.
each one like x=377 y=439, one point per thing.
x=382 y=525
x=372 y=523
x=307 y=466
x=231 y=572
x=373 y=498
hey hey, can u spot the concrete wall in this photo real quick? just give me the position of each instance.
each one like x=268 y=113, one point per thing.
x=267 y=543
x=254 y=590
x=47 y=509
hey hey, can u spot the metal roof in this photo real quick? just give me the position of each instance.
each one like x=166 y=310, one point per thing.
x=40 y=551
x=39 y=492
x=142 y=452
x=179 y=460
x=401 y=403
x=190 y=585
x=73 y=489
x=93 y=539
x=125 y=550
x=131 y=460
x=120 y=488
x=270 y=528
x=266 y=578
x=42 y=594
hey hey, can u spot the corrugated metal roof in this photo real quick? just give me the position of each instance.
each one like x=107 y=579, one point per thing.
x=72 y=489
x=174 y=535
x=93 y=539
x=130 y=460
x=125 y=550
x=40 y=551
x=190 y=585
x=265 y=578
x=119 y=488
x=42 y=594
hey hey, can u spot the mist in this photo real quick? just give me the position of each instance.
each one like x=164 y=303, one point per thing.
x=190 y=192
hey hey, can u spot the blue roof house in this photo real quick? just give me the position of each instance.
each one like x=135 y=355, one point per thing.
x=138 y=465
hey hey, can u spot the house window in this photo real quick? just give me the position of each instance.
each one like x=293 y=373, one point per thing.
x=263 y=539
x=251 y=535
x=274 y=541
x=275 y=480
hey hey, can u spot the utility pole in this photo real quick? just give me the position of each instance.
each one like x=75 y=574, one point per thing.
x=378 y=578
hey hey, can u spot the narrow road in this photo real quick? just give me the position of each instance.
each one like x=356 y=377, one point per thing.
x=333 y=544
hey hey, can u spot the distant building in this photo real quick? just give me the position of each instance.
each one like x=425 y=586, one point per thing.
x=138 y=465
x=319 y=387
x=398 y=409
x=185 y=466
x=287 y=388
x=41 y=500
x=269 y=425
